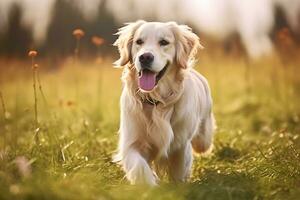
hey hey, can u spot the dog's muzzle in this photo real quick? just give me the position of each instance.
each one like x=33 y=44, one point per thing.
x=148 y=79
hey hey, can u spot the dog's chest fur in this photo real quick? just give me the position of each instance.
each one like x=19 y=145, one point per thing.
x=166 y=122
x=160 y=123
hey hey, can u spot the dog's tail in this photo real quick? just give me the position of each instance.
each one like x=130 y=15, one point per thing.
x=202 y=141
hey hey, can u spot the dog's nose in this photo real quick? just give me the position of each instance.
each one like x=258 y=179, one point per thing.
x=146 y=59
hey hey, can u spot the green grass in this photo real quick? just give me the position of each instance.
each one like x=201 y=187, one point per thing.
x=256 y=154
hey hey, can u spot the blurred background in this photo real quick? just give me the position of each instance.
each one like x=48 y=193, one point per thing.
x=59 y=106
x=253 y=28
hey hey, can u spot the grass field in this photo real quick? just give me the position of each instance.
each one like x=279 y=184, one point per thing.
x=68 y=154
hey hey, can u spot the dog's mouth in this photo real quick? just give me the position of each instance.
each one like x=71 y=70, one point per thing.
x=149 y=79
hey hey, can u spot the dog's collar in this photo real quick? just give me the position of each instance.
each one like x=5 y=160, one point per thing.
x=150 y=101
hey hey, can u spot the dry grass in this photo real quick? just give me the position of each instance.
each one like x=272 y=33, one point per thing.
x=256 y=153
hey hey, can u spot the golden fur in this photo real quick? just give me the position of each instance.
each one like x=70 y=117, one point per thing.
x=166 y=131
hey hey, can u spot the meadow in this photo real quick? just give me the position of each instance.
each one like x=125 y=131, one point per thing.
x=67 y=154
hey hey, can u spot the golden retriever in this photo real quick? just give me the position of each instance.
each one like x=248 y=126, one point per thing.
x=166 y=106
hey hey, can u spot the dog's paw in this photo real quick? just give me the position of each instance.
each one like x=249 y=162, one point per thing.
x=142 y=174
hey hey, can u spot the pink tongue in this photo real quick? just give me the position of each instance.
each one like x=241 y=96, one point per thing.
x=147 y=80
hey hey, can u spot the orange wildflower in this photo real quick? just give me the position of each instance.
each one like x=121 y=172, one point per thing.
x=32 y=53
x=78 y=33
x=98 y=41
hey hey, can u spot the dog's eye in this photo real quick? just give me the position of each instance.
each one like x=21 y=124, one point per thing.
x=163 y=43
x=139 y=42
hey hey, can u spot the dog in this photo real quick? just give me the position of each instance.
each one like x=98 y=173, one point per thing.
x=166 y=106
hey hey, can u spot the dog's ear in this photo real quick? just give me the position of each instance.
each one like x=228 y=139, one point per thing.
x=187 y=44
x=124 y=42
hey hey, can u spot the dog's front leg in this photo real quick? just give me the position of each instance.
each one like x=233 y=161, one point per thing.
x=132 y=152
x=180 y=163
x=137 y=168
x=133 y=158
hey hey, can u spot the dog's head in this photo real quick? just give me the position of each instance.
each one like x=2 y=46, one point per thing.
x=153 y=48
